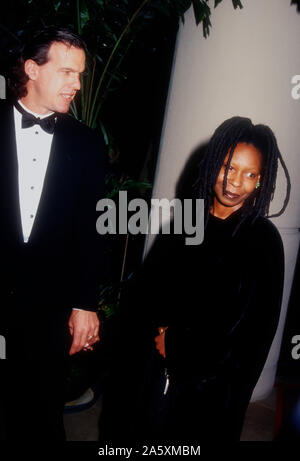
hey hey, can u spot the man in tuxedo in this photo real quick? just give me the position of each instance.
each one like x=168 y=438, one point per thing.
x=52 y=175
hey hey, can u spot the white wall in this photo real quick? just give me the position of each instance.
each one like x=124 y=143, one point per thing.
x=243 y=68
x=2 y=87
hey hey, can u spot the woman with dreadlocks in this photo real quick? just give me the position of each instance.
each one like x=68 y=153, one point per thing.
x=216 y=305
x=220 y=314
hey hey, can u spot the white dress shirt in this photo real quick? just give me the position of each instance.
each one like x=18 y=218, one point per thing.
x=33 y=151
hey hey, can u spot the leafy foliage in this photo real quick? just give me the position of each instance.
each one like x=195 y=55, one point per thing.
x=111 y=29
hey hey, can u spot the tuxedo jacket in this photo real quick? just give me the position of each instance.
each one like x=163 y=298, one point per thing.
x=61 y=266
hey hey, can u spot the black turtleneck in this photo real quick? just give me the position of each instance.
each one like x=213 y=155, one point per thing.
x=220 y=297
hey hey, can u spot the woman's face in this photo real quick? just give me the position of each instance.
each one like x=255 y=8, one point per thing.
x=243 y=174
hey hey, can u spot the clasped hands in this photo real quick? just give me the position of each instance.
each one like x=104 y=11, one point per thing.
x=84 y=328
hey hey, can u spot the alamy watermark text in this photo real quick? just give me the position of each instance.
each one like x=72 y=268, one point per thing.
x=133 y=217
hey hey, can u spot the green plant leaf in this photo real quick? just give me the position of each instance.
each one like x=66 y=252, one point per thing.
x=217 y=3
x=56 y=5
x=101 y=3
x=84 y=14
x=201 y=10
x=237 y=4
x=296 y=2
x=115 y=187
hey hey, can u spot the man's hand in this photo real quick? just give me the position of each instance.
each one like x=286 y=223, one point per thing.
x=160 y=341
x=84 y=327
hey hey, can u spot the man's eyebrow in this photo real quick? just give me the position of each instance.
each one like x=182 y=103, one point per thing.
x=71 y=70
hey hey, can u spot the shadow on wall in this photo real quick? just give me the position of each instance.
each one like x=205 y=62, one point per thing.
x=185 y=187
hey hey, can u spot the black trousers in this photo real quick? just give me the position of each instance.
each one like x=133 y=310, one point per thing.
x=33 y=374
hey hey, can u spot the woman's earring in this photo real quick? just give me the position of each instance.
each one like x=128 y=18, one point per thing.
x=257 y=185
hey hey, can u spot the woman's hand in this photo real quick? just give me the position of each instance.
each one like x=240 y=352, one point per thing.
x=160 y=341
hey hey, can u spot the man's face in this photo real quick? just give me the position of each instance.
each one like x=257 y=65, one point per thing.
x=52 y=86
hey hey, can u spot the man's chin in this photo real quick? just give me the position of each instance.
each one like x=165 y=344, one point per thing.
x=63 y=109
x=63 y=105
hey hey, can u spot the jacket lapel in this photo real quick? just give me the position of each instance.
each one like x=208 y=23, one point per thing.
x=58 y=189
x=9 y=195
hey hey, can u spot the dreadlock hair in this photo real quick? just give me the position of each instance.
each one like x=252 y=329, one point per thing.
x=37 y=49
x=225 y=139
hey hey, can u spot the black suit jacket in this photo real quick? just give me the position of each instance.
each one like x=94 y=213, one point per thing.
x=61 y=266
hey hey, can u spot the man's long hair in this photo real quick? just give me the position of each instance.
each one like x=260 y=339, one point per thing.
x=37 y=49
x=225 y=139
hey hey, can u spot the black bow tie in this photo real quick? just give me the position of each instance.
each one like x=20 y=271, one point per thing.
x=28 y=120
